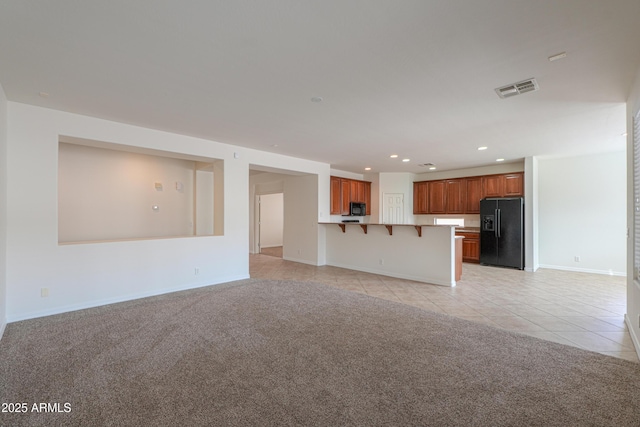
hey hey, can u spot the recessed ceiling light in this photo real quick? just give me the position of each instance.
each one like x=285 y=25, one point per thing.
x=499 y=160
x=624 y=134
x=432 y=168
x=43 y=94
x=482 y=148
x=557 y=56
x=367 y=169
x=393 y=156
x=316 y=99
x=274 y=145
x=406 y=160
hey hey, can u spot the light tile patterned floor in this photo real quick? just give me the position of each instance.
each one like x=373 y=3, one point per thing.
x=578 y=309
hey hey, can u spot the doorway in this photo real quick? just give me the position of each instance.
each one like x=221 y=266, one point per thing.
x=271 y=224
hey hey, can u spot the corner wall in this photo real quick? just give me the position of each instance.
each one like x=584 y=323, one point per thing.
x=3 y=211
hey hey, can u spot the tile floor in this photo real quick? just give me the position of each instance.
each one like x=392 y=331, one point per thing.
x=578 y=309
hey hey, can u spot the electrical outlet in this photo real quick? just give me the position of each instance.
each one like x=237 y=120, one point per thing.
x=44 y=292
x=196 y=271
x=381 y=261
x=576 y=258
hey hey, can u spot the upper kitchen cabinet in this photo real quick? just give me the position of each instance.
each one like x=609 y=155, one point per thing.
x=437 y=197
x=336 y=200
x=345 y=191
x=420 y=197
x=463 y=195
x=473 y=194
x=514 y=185
x=345 y=196
x=504 y=185
x=456 y=193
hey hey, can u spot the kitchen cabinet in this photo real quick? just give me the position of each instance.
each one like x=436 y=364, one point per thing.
x=514 y=185
x=455 y=195
x=470 y=246
x=345 y=196
x=492 y=186
x=463 y=195
x=336 y=201
x=367 y=196
x=504 y=185
x=437 y=197
x=421 y=197
x=473 y=194
x=345 y=191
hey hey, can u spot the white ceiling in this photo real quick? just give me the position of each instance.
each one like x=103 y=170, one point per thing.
x=415 y=78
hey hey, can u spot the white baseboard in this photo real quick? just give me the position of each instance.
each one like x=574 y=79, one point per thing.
x=397 y=275
x=107 y=301
x=584 y=270
x=2 y=328
x=632 y=332
x=302 y=261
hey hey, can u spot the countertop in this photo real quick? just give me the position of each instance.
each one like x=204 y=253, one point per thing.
x=467 y=229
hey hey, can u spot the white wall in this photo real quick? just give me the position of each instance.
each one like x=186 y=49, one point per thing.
x=271 y=220
x=106 y=194
x=301 y=238
x=85 y=275
x=582 y=212
x=633 y=287
x=3 y=211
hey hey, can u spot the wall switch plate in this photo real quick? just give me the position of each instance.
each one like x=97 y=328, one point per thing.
x=576 y=258
x=44 y=292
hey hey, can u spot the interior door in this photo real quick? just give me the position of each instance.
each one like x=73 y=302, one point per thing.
x=393 y=208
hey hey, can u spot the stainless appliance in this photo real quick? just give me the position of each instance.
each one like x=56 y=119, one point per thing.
x=502 y=232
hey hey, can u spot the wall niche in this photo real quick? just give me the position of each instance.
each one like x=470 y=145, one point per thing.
x=111 y=192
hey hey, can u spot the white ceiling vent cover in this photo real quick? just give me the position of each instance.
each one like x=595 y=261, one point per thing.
x=514 y=89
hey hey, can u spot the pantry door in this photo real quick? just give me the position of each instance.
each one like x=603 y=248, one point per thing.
x=393 y=208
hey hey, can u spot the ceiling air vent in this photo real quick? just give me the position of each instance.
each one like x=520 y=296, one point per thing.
x=524 y=86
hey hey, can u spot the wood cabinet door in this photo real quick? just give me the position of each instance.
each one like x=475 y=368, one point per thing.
x=455 y=197
x=437 y=197
x=470 y=247
x=367 y=196
x=492 y=186
x=471 y=250
x=353 y=185
x=473 y=195
x=514 y=185
x=336 y=201
x=420 y=198
x=345 y=196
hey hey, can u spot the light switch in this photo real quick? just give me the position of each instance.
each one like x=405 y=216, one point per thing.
x=158 y=186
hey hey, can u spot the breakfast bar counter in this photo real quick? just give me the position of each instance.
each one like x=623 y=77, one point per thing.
x=421 y=252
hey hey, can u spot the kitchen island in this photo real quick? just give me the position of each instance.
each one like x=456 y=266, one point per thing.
x=425 y=253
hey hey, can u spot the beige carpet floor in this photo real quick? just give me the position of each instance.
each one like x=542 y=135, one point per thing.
x=267 y=352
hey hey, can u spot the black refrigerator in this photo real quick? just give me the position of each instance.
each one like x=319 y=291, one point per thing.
x=502 y=232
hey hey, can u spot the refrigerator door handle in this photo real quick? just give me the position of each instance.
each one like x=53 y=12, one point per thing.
x=498 y=223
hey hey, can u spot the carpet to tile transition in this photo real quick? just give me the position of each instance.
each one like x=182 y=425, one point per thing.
x=264 y=352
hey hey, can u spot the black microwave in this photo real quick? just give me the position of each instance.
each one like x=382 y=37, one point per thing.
x=357 y=209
